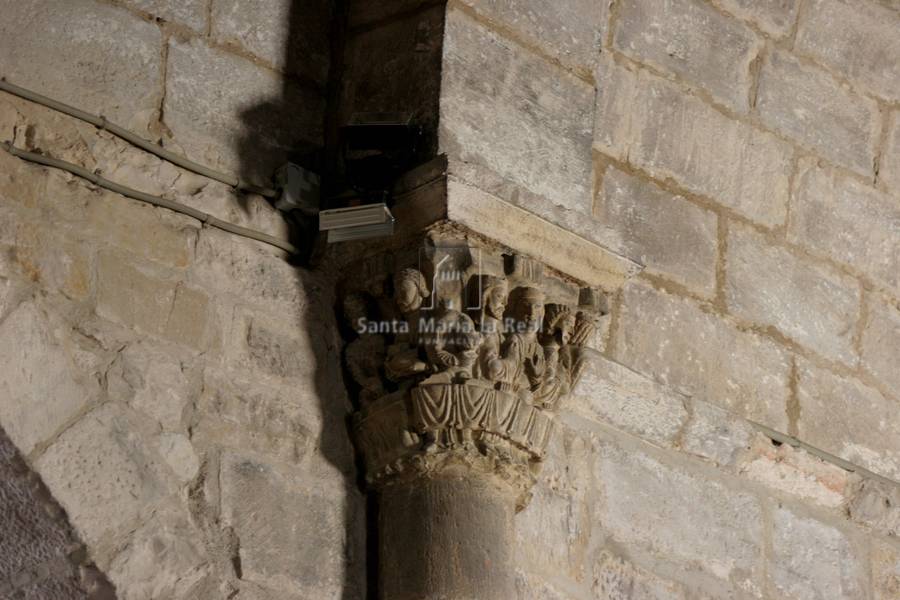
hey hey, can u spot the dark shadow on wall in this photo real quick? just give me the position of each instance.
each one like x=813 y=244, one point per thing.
x=40 y=553
x=298 y=127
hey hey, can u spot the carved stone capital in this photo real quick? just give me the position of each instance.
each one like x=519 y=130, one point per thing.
x=459 y=354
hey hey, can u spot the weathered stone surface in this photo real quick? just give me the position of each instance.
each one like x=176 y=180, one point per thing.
x=665 y=232
x=775 y=17
x=720 y=535
x=292 y=37
x=51 y=260
x=808 y=301
x=616 y=579
x=881 y=342
x=715 y=434
x=87 y=62
x=857 y=39
x=163 y=560
x=184 y=12
x=692 y=40
x=813 y=560
x=225 y=110
x=613 y=394
x=292 y=535
x=886 y=570
x=515 y=113
x=877 y=505
x=244 y=414
x=848 y=419
x=536 y=587
x=795 y=472
x=809 y=105
x=101 y=471
x=654 y=125
x=163 y=308
x=155 y=381
x=552 y=532
x=840 y=218
x=676 y=342
x=571 y=32
x=250 y=274
x=41 y=386
x=889 y=172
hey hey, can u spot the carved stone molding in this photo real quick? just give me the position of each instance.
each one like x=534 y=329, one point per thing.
x=460 y=355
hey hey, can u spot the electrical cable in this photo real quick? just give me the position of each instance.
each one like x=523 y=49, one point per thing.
x=133 y=138
x=205 y=218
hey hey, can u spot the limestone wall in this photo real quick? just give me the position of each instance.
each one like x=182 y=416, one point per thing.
x=174 y=386
x=179 y=391
x=747 y=154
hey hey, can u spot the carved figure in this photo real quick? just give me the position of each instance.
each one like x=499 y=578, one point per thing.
x=559 y=324
x=452 y=347
x=521 y=365
x=403 y=360
x=365 y=355
x=492 y=295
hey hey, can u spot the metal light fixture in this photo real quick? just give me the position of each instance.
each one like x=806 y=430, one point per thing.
x=357 y=222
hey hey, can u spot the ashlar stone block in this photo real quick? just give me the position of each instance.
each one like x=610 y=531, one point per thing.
x=857 y=39
x=843 y=219
x=813 y=560
x=692 y=40
x=653 y=124
x=808 y=301
x=807 y=104
x=675 y=341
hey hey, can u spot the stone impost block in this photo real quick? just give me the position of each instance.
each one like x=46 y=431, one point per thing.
x=857 y=39
x=75 y=52
x=849 y=222
x=679 y=344
x=291 y=37
x=813 y=560
x=671 y=236
x=851 y=420
x=191 y=13
x=807 y=104
x=881 y=342
x=808 y=301
x=656 y=126
x=692 y=40
x=516 y=113
x=775 y=17
x=721 y=535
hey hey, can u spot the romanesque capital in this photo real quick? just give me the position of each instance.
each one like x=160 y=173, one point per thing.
x=459 y=355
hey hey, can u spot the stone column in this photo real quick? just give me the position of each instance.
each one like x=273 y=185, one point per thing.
x=459 y=354
x=447 y=538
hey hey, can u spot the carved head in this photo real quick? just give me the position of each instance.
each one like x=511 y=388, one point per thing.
x=494 y=292
x=528 y=308
x=559 y=323
x=410 y=288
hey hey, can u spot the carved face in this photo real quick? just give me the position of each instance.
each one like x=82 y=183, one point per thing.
x=529 y=309
x=409 y=290
x=496 y=300
x=566 y=328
